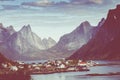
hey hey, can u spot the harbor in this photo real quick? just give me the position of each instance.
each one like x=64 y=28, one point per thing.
x=47 y=67
x=105 y=70
x=58 y=66
x=60 y=69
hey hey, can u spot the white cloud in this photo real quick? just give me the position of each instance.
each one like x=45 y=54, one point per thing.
x=97 y=1
x=43 y=2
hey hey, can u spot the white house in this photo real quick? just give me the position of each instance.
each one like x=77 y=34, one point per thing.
x=13 y=68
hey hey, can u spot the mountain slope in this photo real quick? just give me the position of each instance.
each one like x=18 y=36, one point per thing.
x=24 y=40
x=22 y=44
x=106 y=43
x=25 y=44
x=5 y=33
x=3 y=59
x=70 y=42
x=48 y=42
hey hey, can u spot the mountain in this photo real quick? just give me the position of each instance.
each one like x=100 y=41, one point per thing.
x=79 y=35
x=48 y=42
x=70 y=42
x=5 y=32
x=23 y=43
x=106 y=43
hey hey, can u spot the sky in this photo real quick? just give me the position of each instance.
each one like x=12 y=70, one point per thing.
x=53 y=18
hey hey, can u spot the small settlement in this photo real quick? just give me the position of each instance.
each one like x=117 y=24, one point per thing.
x=48 y=67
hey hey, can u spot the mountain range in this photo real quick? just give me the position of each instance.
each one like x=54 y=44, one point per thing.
x=72 y=41
x=106 y=43
x=22 y=43
x=25 y=44
x=84 y=42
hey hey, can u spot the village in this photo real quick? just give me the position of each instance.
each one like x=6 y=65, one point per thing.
x=48 y=67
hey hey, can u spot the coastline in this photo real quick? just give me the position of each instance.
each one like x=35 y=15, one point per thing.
x=106 y=74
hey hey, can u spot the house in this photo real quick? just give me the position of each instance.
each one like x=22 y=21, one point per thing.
x=61 y=66
x=4 y=65
x=82 y=64
x=13 y=68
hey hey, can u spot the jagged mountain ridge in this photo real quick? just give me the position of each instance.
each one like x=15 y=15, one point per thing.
x=24 y=40
x=106 y=43
x=70 y=42
x=25 y=44
x=22 y=43
x=5 y=32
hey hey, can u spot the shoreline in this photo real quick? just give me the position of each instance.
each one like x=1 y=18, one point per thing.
x=26 y=74
x=108 y=64
x=104 y=74
x=52 y=72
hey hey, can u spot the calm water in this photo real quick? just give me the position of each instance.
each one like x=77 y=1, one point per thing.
x=80 y=75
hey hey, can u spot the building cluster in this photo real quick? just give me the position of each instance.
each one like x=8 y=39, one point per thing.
x=50 y=66
x=60 y=65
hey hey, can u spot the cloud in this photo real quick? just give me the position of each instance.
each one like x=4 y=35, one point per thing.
x=97 y=1
x=89 y=2
x=84 y=2
x=42 y=3
x=10 y=7
x=45 y=3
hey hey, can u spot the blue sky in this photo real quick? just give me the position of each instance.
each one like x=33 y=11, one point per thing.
x=53 y=18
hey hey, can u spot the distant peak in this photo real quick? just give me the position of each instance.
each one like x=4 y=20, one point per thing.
x=50 y=38
x=10 y=27
x=26 y=28
x=83 y=27
x=1 y=25
x=85 y=23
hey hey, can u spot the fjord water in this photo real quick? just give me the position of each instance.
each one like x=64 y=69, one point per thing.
x=82 y=75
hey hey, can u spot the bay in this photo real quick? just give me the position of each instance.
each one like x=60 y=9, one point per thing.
x=82 y=75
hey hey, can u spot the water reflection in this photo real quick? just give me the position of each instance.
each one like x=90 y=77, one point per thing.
x=63 y=77
x=49 y=77
x=94 y=78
